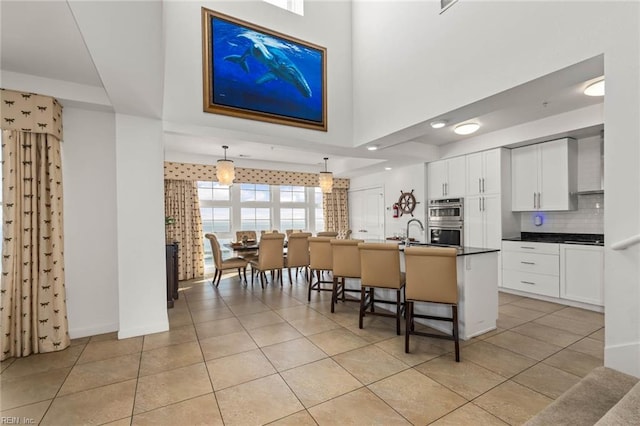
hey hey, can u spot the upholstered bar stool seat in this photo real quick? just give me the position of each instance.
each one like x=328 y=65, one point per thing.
x=380 y=266
x=222 y=265
x=320 y=260
x=346 y=264
x=270 y=256
x=432 y=277
x=298 y=253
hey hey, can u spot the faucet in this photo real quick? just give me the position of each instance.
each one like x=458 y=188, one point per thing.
x=408 y=240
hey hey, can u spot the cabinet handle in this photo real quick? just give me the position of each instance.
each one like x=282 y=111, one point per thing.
x=527 y=247
x=539 y=206
x=482 y=184
x=482 y=203
x=443 y=189
x=446 y=188
x=528 y=263
x=528 y=282
x=534 y=200
x=479 y=185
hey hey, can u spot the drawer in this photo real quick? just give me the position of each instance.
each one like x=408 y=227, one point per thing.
x=526 y=247
x=546 y=285
x=547 y=264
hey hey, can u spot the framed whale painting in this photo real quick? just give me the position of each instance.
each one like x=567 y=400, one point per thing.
x=255 y=73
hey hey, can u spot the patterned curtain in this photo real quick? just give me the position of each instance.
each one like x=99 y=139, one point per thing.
x=336 y=210
x=184 y=225
x=34 y=313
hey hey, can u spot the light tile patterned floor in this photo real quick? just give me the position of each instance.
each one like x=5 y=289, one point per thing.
x=239 y=355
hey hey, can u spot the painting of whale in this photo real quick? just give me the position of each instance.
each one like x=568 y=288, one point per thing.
x=251 y=72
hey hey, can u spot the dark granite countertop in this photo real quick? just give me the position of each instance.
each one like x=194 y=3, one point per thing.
x=462 y=251
x=559 y=238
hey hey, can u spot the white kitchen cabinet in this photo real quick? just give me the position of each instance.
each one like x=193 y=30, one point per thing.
x=483 y=227
x=582 y=273
x=544 y=176
x=446 y=178
x=531 y=267
x=483 y=172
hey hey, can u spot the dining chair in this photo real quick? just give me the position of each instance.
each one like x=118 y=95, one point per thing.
x=346 y=264
x=432 y=278
x=288 y=232
x=270 y=257
x=251 y=236
x=344 y=235
x=331 y=234
x=298 y=253
x=320 y=260
x=221 y=265
x=380 y=266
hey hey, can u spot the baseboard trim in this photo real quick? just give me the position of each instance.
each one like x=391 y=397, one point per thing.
x=146 y=329
x=76 y=333
x=624 y=358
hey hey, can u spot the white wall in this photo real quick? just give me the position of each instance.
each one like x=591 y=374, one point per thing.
x=327 y=24
x=89 y=178
x=506 y=44
x=140 y=213
x=393 y=182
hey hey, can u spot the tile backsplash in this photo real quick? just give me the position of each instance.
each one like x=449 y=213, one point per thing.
x=588 y=219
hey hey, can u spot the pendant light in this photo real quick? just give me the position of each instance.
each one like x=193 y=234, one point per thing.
x=225 y=171
x=326 y=179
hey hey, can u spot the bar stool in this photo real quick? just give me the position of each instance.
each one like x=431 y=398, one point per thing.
x=380 y=266
x=431 y=277
x=320 y=260
x=346 y=264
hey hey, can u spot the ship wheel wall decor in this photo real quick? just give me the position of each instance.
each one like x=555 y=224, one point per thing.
x=407 y=203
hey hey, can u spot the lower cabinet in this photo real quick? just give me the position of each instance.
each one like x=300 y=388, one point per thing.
x=569 y=272
x=582 y=273
x=531 y=267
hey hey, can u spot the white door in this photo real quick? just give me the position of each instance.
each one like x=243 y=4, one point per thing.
x=491 y=179
x=473 y=222
x=366 y=214
x=554 y=182
x=436 y=178
x=474 y=173
x=492 y=210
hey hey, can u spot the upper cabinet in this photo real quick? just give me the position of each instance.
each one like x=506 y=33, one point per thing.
x=483 y=172
x=446 y=178
x=544 y=176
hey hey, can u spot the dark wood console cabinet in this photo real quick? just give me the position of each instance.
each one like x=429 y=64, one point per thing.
x=172 y=273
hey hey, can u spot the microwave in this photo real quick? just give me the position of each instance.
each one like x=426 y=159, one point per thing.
x=446 y=210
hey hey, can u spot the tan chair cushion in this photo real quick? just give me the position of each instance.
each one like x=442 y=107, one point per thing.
x=320 y=253
x=346 y=258
x=380 y=265
x=431 y=274
x=298 y=249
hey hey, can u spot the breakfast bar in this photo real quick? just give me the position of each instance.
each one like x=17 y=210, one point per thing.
x=477 y=270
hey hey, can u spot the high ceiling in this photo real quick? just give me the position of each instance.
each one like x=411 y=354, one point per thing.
x=43 y=39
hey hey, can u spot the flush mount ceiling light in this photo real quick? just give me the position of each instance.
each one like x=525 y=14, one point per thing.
x=225 y=170
x=372 y=147
x=595 y=89
x=466 y=128
x=387 y=168
x=438 y=124
x=325 y=179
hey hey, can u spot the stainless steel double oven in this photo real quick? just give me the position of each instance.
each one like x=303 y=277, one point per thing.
x=446 y=222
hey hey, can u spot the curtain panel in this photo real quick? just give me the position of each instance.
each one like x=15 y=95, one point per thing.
x=336 y=211
x=34 y=316
x=185 y=226
x=205 y=172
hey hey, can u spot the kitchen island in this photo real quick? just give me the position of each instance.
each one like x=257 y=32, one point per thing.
x=477 y=270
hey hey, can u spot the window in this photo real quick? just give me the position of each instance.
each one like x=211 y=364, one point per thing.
x=292 y=194
x=254 y=192
x=295 y=6
x=293 y=218
x=256 y=207
x=258 y=219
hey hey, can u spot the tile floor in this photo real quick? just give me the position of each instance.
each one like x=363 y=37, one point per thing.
x=239 y=355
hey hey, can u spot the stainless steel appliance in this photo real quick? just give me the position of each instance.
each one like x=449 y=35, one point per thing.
x=446 y=210
x=445 y=225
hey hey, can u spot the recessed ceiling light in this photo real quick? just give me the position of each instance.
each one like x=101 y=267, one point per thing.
x=372 y=147
x=595 y=89
x=387 y=168
x=466 y=128
x=438 y=124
